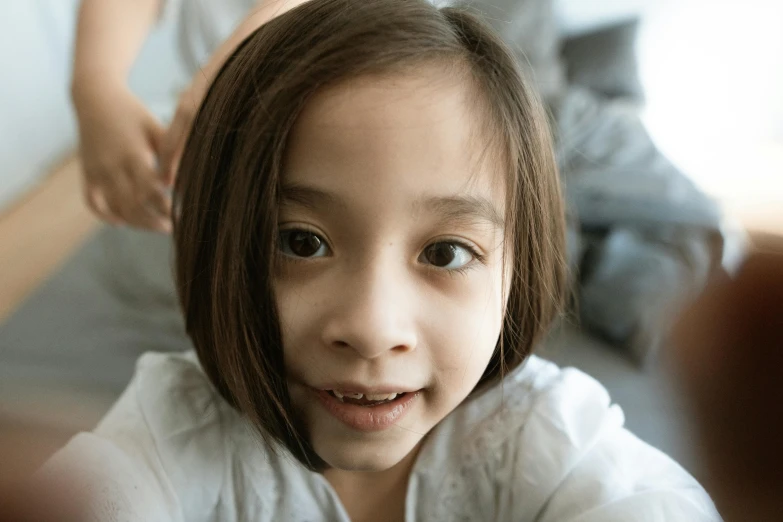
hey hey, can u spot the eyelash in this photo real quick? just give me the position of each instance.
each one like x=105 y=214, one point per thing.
x=453 y=272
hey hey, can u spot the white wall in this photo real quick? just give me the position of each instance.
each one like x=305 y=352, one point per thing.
x=36 y=126
x=713 y=72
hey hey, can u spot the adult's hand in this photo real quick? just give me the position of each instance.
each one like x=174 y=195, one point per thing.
x=119 y=141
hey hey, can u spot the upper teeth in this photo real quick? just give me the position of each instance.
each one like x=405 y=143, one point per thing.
x=369 y=397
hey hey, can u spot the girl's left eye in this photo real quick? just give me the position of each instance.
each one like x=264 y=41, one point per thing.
x=302 y=243
x=448 y=255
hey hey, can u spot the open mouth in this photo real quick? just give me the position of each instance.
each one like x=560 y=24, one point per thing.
x=361 y=399
x=367 y=412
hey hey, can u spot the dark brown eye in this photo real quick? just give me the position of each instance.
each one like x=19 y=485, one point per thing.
x=301 y=243
x=447 y=255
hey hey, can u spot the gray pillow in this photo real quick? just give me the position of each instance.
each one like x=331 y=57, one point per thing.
x=635 y=282
x=605 y=61
x=530 y=28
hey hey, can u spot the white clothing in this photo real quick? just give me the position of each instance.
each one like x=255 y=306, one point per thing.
x=202 y=25
x=545 y=446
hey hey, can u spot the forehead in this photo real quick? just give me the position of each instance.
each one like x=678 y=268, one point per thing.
x=400 y=135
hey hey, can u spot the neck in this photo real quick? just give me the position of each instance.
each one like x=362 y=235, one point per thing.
x=365 y=495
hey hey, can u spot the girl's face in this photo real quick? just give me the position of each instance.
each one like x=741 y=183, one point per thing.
x=390 y=271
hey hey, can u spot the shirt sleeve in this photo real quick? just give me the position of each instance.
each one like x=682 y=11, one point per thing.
x=155 y=457
x=622 y=478
x=607 y=474
x=118 y=475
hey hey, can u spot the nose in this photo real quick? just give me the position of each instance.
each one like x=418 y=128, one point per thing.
x=372 y=313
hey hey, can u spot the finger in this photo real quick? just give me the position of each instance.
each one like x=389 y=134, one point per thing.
x=728 y=347
x=149 y=187
x=152 y=197
x=158 y=206
x=732 y=323
x=142 y=216
x=694 y=340
x=119 y=196
x=94 y=198
x=127 y=199
x=156 y=134
x=159 y=200
x=148 y=208
x=96 y=202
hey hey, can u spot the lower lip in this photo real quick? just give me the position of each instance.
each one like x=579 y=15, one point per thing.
x=367 y=418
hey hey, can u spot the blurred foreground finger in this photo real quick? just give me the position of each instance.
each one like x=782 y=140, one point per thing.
x=96 y=202
x=727 y=352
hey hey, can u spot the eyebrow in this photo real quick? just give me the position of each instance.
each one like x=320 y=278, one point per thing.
x=463 y=208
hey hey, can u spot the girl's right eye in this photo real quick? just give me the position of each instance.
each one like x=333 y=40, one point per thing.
x=302 y=243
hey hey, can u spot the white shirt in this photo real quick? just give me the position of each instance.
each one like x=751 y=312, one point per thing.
x=545 y=445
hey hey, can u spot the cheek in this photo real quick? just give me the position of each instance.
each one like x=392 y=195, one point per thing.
x=297 y=312
x=286 y=309
x=466 y=333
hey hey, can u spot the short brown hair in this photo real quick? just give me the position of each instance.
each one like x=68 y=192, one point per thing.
x=227 y=191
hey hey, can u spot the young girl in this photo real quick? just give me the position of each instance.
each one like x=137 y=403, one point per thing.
x=369 y=244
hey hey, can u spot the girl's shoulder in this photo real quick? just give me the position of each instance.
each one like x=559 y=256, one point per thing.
x=546 y=443
x=536 y=397
x=171 y=448
x=174 y=400
x=171 y=418
x=175 y=381
x=159 y=453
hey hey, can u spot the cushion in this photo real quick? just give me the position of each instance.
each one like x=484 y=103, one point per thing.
x=605 y=61
x=531 y=29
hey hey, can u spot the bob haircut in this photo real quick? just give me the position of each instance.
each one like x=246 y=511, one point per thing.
x=226 y=195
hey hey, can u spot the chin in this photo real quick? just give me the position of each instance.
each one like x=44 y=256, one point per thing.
x=364 y=456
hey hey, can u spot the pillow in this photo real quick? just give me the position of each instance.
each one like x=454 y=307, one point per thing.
x=576 y=17
x=605 y=61
x=530 y=28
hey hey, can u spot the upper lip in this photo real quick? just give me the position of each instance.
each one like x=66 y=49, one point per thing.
x=351 y=387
